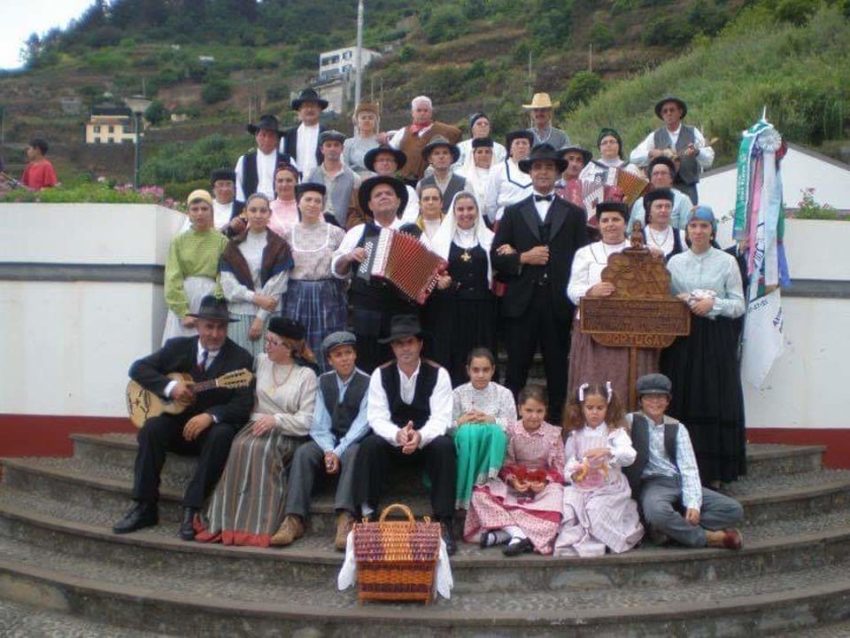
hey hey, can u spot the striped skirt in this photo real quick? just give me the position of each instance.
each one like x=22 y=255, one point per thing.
x=238 y=332
x=247 y=505
x=320 y=306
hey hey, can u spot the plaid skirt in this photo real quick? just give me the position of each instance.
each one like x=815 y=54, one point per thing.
x=320 y=306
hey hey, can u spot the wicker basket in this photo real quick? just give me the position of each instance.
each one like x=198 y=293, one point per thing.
x=396 y=560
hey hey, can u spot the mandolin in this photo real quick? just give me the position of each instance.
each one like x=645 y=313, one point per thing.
x=143 y=404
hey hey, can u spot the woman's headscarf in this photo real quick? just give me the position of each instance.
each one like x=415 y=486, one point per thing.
x=479 y=234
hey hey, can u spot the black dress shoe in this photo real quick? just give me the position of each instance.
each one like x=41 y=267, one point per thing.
x=522 y=547
x=448 y=533
x=141 y=515
x=187 y=527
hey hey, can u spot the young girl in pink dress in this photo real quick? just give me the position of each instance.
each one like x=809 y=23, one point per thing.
x=599 y=511
x=522 y=506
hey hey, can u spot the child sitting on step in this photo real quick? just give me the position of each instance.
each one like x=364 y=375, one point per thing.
x=522 y=506
x=665 y=478
x=598 y=512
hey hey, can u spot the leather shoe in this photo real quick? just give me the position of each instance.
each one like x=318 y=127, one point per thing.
x=290 y=530
x=142 y=514
x=448 y=533
x=187 y=526
x=515 y=549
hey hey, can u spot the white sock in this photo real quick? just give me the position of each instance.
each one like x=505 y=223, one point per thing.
x=515 y=532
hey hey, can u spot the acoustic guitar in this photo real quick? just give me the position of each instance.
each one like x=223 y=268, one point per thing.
x=143 y=404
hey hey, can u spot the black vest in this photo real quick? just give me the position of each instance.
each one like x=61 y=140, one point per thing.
x=640 y=441
x=373 y=293
x=250 y=177
x=420 y=409
x=345 y=411
x=689 y=169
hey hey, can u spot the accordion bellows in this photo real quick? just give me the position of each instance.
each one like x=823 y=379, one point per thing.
x=403 y=261
x=396 y=560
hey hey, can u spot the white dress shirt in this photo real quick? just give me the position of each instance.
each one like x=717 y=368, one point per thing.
x=440 y=402
x=349 y=243
x=199 y=358
x=308 y=141
x=705 y=156
x=266 y=164
x=508 y=185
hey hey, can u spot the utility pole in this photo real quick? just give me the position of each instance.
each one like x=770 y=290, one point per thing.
x=358 y=55
x=590 y=57
x=530 y=75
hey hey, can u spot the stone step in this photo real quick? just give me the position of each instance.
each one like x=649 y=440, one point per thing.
x=778 y=547
x=25 y=621
x=100 y=485
x=763 y=460
x=90 y=589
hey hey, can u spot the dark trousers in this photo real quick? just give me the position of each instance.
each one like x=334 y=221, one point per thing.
x=688 y=189
x=163 y=434
x=376 y=457
x=539 y=325
x=309 y=463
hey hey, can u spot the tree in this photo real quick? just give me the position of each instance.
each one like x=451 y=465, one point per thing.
x=30 y=51
x=156 y=112
x=216 y=91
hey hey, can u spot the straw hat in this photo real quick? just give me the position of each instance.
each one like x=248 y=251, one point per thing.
x=541 y=101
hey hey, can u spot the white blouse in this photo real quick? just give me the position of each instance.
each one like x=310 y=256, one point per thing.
x=588 y=263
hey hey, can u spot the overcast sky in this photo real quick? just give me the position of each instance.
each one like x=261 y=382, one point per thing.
x=19 y=18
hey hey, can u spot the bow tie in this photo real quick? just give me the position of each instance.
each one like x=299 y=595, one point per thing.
x=544 y=198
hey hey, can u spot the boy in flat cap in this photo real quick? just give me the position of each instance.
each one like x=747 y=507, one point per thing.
x=339 y=423
x=665 y=478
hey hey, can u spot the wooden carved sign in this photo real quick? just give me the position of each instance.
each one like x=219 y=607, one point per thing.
x=641 y=312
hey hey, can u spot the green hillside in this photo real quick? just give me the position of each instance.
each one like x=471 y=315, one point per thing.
x=607 y=61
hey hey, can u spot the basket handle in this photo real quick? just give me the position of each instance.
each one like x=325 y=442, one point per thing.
x=397 y=506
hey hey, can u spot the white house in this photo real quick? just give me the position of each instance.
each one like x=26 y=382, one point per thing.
x=802 y=168
x=110 y=125
x=341 y=62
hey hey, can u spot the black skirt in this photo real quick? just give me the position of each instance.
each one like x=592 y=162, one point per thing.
x=707 y=396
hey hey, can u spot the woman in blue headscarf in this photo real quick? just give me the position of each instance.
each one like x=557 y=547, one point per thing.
x=704 y=366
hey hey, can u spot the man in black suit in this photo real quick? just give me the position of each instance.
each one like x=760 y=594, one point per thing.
x=533 y=253
x=206 y=428
x=302 y=142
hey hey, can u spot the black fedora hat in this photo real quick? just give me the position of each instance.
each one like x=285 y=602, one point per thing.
x=523 y=134
x=402 y=327
x=308 y=95
x=213 y=309
x=573 y=148
x=364 y=193
x=269 y=122
x=437 y=142
x=671 y=98
x=543 y=152
x=372 y=154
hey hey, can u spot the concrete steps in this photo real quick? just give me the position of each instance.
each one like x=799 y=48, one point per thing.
x=57 y=553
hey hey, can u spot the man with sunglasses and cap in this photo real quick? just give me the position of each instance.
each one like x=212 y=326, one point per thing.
x=302 y=142
x=339 y=423
x=255 y=170
x=410 y=411
x=373 y=302
x=678 y=141
x=205 y=428
x=339 y=180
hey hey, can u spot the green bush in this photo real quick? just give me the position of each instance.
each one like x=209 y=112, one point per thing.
x=667 y=31
x=156 y=113
x=217 y=90
x=445 y=22
x=183 y=162
x=583 y=86
x=601 y=36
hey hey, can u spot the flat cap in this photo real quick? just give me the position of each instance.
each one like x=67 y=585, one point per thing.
x=336 y=339
x=655 y=383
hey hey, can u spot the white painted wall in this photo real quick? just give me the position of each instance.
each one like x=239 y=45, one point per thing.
x=807 y=387
x=800 y=170
x=66 y=347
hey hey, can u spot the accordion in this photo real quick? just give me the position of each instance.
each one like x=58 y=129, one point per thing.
x=402 y=260
x=631 y=185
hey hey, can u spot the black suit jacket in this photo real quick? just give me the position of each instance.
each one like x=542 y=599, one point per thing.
x=180 y=355
x=520 y=227
x=290 y=144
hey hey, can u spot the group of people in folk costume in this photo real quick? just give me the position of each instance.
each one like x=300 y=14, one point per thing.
x=353 y=378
